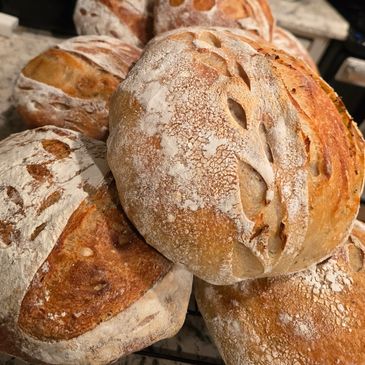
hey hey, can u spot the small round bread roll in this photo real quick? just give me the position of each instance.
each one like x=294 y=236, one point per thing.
x=285 y=40
x=78 y=285
x=252 y=15
x=231 y=158
x=128 y=20
x=70 y=85
x=316 y=317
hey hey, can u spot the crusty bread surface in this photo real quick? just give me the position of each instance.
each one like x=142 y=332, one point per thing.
x=233 y=157
x=78 y=284
x=70 y=84
x=251 y=15
x=315 y=317
x=285 y=40
x=127 y=20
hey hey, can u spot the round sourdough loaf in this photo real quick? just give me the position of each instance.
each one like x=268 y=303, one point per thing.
x=313 y=317
x=78 y=285
x=231 y=158
x=128 y=20
x=70 y=84
x=286 y=41
x=252 y=15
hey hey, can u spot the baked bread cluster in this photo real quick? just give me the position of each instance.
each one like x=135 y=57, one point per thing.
x=228 y=157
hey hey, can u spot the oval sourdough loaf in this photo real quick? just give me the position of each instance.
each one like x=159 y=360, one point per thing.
x=315 y=317
x=286 y=41
x=252 y=15
x=78 y=285
x=128 y=20
x=70 y=84
x=231 y=158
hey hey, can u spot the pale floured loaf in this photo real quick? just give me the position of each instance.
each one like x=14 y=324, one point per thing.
x=285 y=40
x=315 y=317
x=231 y=158
x=70 y=84
x=252 y=15
x=128 y=20
x=78 y=285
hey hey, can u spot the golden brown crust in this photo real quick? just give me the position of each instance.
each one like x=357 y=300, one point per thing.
x=70 y=84
x=252 y=15
x=98 y=268
x=283 y=39
x=139 y=23
x=316 y=317
x=78 y=285
x=214 y=125
x=72 y=74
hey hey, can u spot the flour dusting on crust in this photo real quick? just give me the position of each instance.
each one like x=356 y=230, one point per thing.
x=215 y=125
x=313 y=317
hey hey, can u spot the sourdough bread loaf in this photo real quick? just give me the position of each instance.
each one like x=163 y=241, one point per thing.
x=70 y=84
x=232 y=158
x=313 y=317
x=286 y=41
x=252 y=15
x=128 y=20
x=78 y=285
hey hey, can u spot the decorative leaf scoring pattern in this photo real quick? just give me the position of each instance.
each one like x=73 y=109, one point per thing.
x=255 y=201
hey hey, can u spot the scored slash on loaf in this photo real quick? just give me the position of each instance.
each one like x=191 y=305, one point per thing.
x=251 y=15
x=232 y=157
x=70 y=84
x=78 y=285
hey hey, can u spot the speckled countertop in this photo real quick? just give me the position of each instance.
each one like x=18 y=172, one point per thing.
x=192 y=341
x=315 y=18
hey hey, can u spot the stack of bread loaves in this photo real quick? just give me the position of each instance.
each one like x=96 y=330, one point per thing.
x=233 y=161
